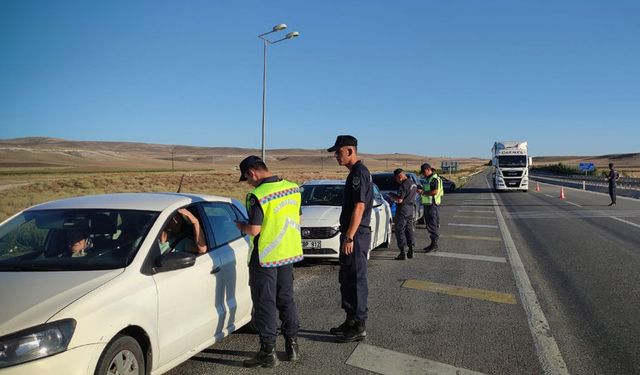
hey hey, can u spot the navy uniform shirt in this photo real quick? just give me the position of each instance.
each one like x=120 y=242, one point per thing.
x=613 y=177
x=357 y=188
x=407 y=191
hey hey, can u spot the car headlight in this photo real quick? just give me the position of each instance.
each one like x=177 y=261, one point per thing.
x=36 y=342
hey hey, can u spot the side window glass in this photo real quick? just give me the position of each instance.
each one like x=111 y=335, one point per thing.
x=221 y=220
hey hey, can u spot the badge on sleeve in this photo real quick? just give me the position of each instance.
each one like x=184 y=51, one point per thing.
x=252 y=201
x=356 y=182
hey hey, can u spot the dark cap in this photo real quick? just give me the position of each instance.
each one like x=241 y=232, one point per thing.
x=425 y=166
x=398 y=171
x=247 y=163
x=343 y=140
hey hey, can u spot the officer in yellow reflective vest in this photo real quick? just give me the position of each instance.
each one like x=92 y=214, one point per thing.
x=275 y=243
x=432 y=193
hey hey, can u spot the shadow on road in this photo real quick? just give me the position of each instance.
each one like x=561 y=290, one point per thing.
x=320 y=336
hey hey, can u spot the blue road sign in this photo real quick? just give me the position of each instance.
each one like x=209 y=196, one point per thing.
x=586 y=167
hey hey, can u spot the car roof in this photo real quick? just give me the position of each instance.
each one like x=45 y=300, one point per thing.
x=325 y=182
x=129 y=201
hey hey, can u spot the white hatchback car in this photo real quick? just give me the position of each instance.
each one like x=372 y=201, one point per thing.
x=320 y=220
x=122 y=305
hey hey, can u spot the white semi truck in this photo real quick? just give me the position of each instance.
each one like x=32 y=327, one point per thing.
x=510 y=161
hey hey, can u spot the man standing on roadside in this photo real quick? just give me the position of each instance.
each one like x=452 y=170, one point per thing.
x=431 y=196
x=405 y=208
x=275 y=243
x=613 y=177
x=355 y=240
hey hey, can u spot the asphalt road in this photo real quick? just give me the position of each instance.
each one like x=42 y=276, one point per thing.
x=570 y=306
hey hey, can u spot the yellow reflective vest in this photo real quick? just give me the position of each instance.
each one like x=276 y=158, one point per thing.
x=280 y=241
x=428 y=199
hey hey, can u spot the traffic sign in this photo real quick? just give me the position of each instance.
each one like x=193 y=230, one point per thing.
x=586 y=167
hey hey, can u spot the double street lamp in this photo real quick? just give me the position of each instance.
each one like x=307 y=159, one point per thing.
x=266 y=41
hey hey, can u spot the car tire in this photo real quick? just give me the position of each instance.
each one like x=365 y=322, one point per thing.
x=122 y=351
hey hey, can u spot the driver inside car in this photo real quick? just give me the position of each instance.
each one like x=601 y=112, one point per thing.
x=79 y=242
x=178 y=236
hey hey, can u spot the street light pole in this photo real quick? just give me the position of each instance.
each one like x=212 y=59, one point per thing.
x=266 y=42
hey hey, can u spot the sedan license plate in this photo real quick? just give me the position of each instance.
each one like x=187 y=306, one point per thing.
x=310 y=244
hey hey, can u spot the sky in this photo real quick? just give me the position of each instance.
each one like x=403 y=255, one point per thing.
x=427 y=77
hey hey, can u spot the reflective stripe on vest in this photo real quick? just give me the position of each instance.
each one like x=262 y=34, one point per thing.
x=428 y=199
x=280 y=241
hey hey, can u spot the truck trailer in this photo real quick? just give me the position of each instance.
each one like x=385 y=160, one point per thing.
x=510 y=161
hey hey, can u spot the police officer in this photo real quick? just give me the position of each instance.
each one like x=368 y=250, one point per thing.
x=431 y=197
x=612 y=177
x=275 y=242
x=405 y=207
x=355 y=240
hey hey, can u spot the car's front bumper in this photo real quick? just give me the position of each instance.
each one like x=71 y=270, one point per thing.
x=81 y=361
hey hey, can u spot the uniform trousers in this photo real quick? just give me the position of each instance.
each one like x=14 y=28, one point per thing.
x=432 y=218
x=404 y=231
x=354 y=288
x=272 y=294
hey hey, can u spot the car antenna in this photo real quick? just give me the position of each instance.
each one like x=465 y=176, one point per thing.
x=180 y=186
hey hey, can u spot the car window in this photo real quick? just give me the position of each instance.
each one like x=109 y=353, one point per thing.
x=385 y=181
x=70 y=239
x=377 y=196
x=221 y=218
x=322 y=195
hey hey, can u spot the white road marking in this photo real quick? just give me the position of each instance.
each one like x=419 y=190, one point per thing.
x=468 y=256
x=483 y=211
x=547 y=349
x=385 y=361
x=474 y=225
x=475 y=217
x=575 y=204
x=550 y=196
x=625 y=221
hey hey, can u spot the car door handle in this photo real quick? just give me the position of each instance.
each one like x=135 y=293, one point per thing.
x=216 y=269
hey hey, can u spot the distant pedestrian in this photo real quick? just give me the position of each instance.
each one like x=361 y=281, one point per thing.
x=431 y=198
x=275 y=243
x=613 y=177
x=355 y=240
x=405 y=208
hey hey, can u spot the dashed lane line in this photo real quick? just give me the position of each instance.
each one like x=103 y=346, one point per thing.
x=478 y=211
x=575 y=204
x=473 y=225
x=546 y=347
x=462 y=237
x=475 y=217
x=468 y=256
x=454 y=290
x=388 y=362
x=625 y=221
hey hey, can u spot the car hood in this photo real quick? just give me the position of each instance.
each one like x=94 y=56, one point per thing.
x=320 y=216
x=32 y=298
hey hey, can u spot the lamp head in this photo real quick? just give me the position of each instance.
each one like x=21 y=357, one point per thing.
x=278 y=27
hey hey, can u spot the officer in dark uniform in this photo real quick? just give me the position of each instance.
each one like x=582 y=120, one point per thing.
x=271 y=272
x=355 y=240
x=612 y=177
x=405 y=208
x=432 y=193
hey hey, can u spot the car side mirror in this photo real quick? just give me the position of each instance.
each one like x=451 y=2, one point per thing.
x=174 y=261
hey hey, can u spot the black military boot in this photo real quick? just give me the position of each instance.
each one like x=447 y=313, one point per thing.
x=410 y=253
x=342 y=328
x=266 y=357
x=401 y=256
x=356 y=333
x=291 y=347
x=432 y=247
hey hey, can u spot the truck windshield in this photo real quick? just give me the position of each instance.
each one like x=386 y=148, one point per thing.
x=512 y=161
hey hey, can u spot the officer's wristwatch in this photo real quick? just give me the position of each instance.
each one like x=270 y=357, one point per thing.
x=348 y=240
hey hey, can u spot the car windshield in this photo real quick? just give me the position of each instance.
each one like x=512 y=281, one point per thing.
x=512 y=161
x=385 y=182
x=322 y=195
x=70 y=240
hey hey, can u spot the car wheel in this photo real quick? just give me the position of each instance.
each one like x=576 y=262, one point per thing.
x=452 y=188
x=122 y=356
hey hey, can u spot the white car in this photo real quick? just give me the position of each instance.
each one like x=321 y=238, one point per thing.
x=320 y=220
x=121 y=305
